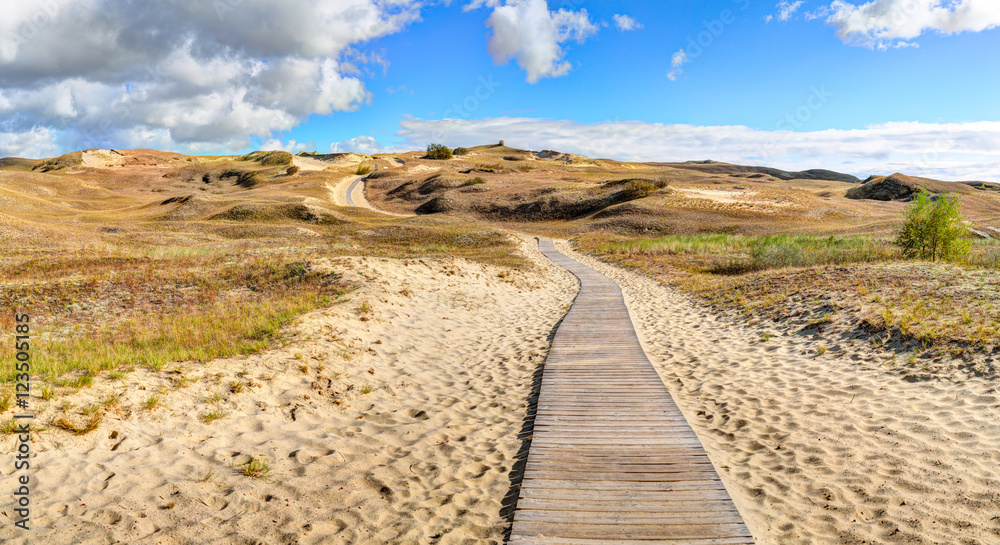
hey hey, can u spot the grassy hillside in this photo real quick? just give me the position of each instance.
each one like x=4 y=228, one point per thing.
x=567 y=194
x=138 y=258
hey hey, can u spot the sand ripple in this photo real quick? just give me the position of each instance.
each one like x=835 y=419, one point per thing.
x=395 y=425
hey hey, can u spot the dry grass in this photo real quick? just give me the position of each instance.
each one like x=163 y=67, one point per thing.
x=255 y=468
x=859 y=286
x=111 y=314
x=92 y=420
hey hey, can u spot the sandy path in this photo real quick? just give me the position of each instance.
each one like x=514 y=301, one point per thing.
x=395 y=425
x=350 y=191
x=338 y=191
x=824 y=448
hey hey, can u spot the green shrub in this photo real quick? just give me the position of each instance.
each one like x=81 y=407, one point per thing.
x=363 y=168
x=478 y=180
x=934 y=229
x=438 y=152
x=461 y=151
x=292 y=170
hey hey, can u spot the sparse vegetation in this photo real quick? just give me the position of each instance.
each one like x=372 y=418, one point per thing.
x=91 y=423
x=738 y=254
x=845 y=284
x=363 y=168
x=202 y=322
x=270 y=158
x=255 y=468
x=478 y=180
x=151 y=404
x=460 y=151
x=213 y=415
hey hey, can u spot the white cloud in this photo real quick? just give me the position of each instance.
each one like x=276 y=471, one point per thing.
x=956 y=151
x=678 y=60
x=528 y=32
x=626 y=23
x=364 y=144
x=190 y=75
x=476 y=4
x=787 y=9
x=885 y=24
x=292 y=146
x=36 y=143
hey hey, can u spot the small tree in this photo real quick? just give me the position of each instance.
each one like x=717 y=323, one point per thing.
x=438 y=151
x=934 y=229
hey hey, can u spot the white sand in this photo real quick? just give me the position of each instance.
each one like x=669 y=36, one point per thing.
x=828 y=449
x=449 y=352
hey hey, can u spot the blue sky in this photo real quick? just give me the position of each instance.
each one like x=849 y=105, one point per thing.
x=753 y=73
x=863 y=87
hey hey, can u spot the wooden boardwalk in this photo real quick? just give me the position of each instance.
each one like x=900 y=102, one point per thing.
x=612 y=460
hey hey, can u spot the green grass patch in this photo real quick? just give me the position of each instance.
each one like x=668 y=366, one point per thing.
x=738 y=254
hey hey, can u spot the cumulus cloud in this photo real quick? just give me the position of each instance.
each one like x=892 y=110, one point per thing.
x=626 y=23
x=535 y=37
x=957 y=151
x=34 y=143
x=885 y=24
x=189 y=75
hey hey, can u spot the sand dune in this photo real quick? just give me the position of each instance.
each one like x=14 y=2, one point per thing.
x=830 y=448
x=400 y=424
x=396 y=425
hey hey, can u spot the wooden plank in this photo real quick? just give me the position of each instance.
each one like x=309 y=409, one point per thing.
x=555 y=484
x=625 y=495
x=633 y=531
x=715 y=516
x=546 y=540
x=611 y=458
x=651 y=476
x=624 y=507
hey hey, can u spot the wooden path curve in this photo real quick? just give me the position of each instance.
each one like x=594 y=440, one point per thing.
x=612 y=460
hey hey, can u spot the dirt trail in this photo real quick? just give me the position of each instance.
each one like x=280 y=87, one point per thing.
x=350 y=191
